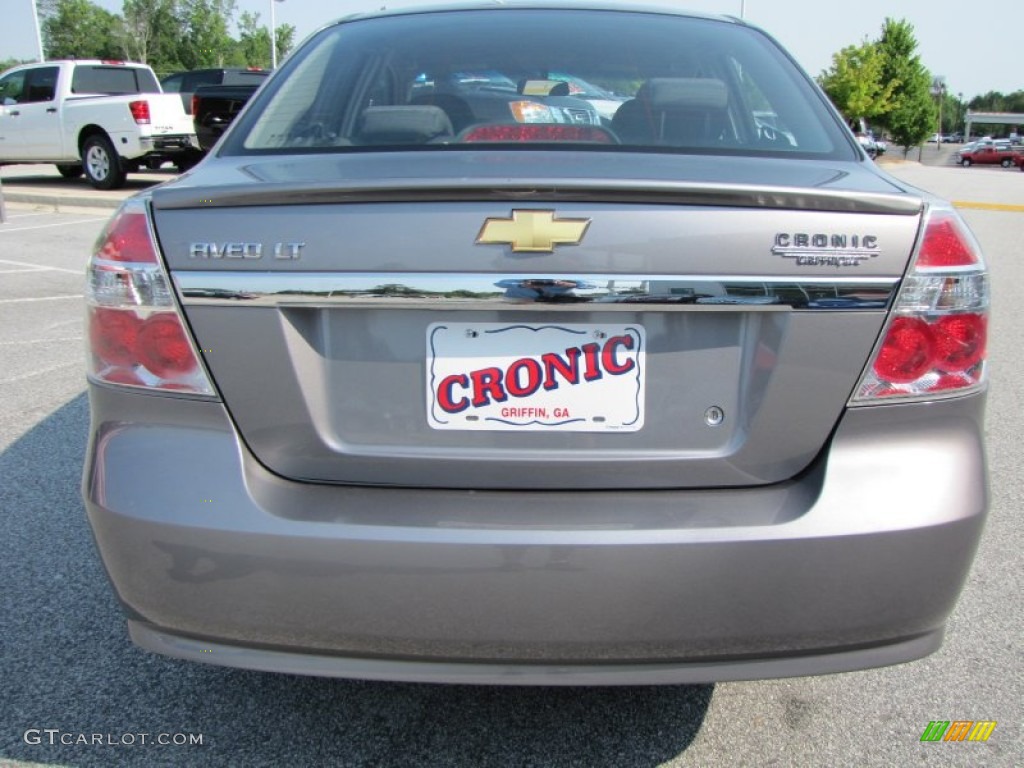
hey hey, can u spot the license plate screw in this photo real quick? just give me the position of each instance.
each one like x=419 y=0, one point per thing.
x=714 y=416
x=471 y=334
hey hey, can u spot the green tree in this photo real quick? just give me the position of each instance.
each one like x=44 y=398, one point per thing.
x=855 y=83
x=254 y=40
x=150 y=32
x=952 y=113
x=994 y=101
x=912 y=117
x=285 y=40
x=6 y=64
x=79 y=29
x=204 y=40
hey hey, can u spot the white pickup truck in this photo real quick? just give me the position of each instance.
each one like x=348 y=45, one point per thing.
x=101 y=118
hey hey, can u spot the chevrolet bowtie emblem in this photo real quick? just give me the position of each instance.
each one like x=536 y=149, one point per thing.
x=531 y=231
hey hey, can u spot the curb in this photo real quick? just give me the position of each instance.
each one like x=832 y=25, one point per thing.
x=59 y=203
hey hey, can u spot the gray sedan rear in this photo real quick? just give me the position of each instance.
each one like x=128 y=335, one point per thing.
x=421 y=382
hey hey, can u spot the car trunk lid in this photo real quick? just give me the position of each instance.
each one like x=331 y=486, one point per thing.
x=484 y=330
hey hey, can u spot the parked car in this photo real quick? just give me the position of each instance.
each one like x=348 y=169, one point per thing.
x=603 y=100
x=186 y=83
x=476 y=95
x=100 y=118
x=868 y=144
x=379 y=393
x=986 y=153
x=214 y=107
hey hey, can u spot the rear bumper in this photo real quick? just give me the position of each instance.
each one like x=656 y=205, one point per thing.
x=134 y=147
x=857 y=563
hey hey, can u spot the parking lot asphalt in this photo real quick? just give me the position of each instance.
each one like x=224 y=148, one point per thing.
x=41 y=188
x=67 y=665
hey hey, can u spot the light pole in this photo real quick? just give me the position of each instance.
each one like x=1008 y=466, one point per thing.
x=273 y=35
x=39 y=37
x=939 y=89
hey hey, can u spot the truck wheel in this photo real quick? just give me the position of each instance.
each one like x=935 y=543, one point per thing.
x=966 y=162
x=102 y=165
x=69 y=170
x=1007 y=162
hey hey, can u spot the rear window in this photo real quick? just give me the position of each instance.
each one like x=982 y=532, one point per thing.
x=604 y=80
x=113 y=80
x=244 y=78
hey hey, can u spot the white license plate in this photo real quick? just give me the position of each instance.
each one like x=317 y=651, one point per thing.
x=552 y=378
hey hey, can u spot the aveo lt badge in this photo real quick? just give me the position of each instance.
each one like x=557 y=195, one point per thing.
x=280 y=251
x=532 y=231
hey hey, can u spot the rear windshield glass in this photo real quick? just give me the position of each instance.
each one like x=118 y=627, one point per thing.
x=541 y=77
x=113 y=80
x=244 y=78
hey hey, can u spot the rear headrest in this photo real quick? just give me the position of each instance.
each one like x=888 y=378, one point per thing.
x=403 y=125
x=543 y=87
x=684 y=92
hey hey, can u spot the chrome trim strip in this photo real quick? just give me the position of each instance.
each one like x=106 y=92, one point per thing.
x=483 y=291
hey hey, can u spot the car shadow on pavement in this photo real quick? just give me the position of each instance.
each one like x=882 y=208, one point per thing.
x=77 y=692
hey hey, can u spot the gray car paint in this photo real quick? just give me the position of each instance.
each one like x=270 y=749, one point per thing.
x=812 y=538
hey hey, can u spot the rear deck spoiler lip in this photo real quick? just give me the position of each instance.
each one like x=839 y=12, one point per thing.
x=590 y=190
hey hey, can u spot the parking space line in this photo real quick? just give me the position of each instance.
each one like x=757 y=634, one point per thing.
x=13 y=216
x=33 y=374
x=40 y=298
x=44 y=268
x=21 y=271
x=48 y=226
x=55 y=340
x=989 y=206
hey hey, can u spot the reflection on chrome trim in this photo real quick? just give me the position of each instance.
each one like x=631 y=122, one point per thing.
x=503 y=291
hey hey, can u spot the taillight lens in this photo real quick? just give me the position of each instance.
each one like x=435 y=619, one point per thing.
x=140 y=111
x=136 y=334
x=935 y=341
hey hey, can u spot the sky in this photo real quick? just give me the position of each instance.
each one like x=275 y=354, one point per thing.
x=973 y=59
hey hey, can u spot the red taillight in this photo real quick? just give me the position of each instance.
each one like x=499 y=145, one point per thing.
x=193 y=105
x=136 y=335
x=113 y=333
x=935 y=342
x=907 y=351
x=540 y=132
x=163 y=348
x=127 y=238
x=140 y=111
x=959 y=342
x=944 y=246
